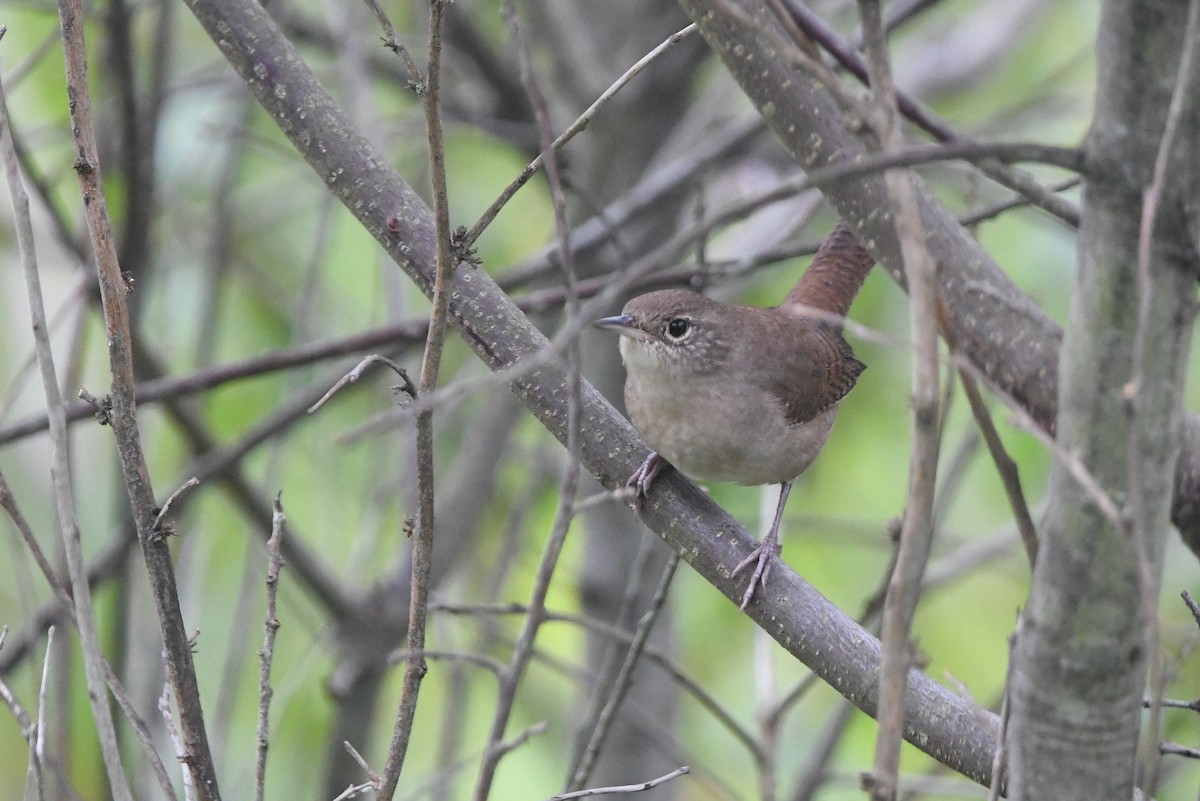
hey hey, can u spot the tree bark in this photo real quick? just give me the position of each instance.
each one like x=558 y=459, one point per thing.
x=1081 y=653
x=997 y=326
x=952 y=729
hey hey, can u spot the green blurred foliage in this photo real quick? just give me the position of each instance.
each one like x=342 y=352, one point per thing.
x=349 y=501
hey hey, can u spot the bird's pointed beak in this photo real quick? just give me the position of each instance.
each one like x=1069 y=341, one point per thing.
x=623 y=324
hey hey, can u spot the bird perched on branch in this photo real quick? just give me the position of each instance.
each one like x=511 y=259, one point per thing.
x=738 y=393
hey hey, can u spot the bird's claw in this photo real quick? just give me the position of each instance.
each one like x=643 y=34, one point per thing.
x=643 y=477
x=760 y=557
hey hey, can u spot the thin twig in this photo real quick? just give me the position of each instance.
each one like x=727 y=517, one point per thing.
x=668 y=253
x=166 y=507
x=60 y=472
x=916 y=532
x=37 y=753
x=522 y=737
x=623 y=788
x=569 y=134
x=1010 y=476
x=689 y=685
x=63 y=599
x=30 y=731
x=1000 y=763
x=140 y=730
x=362 y=762
x=400 y=334
x=568 y=485
x=1175 y=749
x=848 y=57
x=466 y=657
x=422 y=540
x=609 y=664
x=267 y=655
x=9 y=503
x=1075 y=467
x=9 y=697
x=135 y=473
x=391 y=40
x=357 y=373
x=168 y=719
x=624 y=678
x=354 y=790
x=1192 y=606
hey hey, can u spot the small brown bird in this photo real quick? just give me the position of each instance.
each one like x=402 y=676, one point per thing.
x=738 y=393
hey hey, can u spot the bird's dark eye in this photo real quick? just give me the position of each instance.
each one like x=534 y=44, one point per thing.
x=678 y=327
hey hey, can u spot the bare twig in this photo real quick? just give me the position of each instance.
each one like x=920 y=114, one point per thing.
x=1000 y=763
x=422 y=539
x=1023 y=420
x=1175 y=749
x=690 y=685
x=465 y=657
x=168 y=719
x=568 y=485
x=362 y=762
x=357 y=373
x=113 y=290
x=1192 y=606
x=400 y=334
x=166 y=507
x=38 y=752
x=624 y=679
x=391 y=40
x=140 y=730
x=28 y=730
x=849 y=58
x=267 y=655
x=607 y=666
x=354 y=790
x=64 y=494
x=1010 y=476
x=567 y=135
x=64 y=600
x=916 y=532
x=623 y=788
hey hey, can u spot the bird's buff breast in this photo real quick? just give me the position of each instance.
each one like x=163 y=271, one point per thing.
x=716 y=434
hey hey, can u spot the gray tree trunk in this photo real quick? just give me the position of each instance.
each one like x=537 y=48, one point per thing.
x=1081 y=654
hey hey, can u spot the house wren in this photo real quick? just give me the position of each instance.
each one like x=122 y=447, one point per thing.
x=738 y=393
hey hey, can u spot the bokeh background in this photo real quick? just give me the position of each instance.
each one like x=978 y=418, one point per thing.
x=236 y=252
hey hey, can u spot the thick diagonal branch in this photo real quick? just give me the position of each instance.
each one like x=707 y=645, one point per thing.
x=808 y=625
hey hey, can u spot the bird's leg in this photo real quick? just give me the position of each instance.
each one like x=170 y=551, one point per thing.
x=643 y=477
x=768 y=548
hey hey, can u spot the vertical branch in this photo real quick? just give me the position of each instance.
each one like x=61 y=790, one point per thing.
x=1076 y=710
x=917 y=531
x=123 y=416
x=415 y=665
x=60 y=469
x=1184 y=87
x=270 y=628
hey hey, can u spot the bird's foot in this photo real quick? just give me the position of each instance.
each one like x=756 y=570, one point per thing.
x=760 y=557
x=643 y=477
